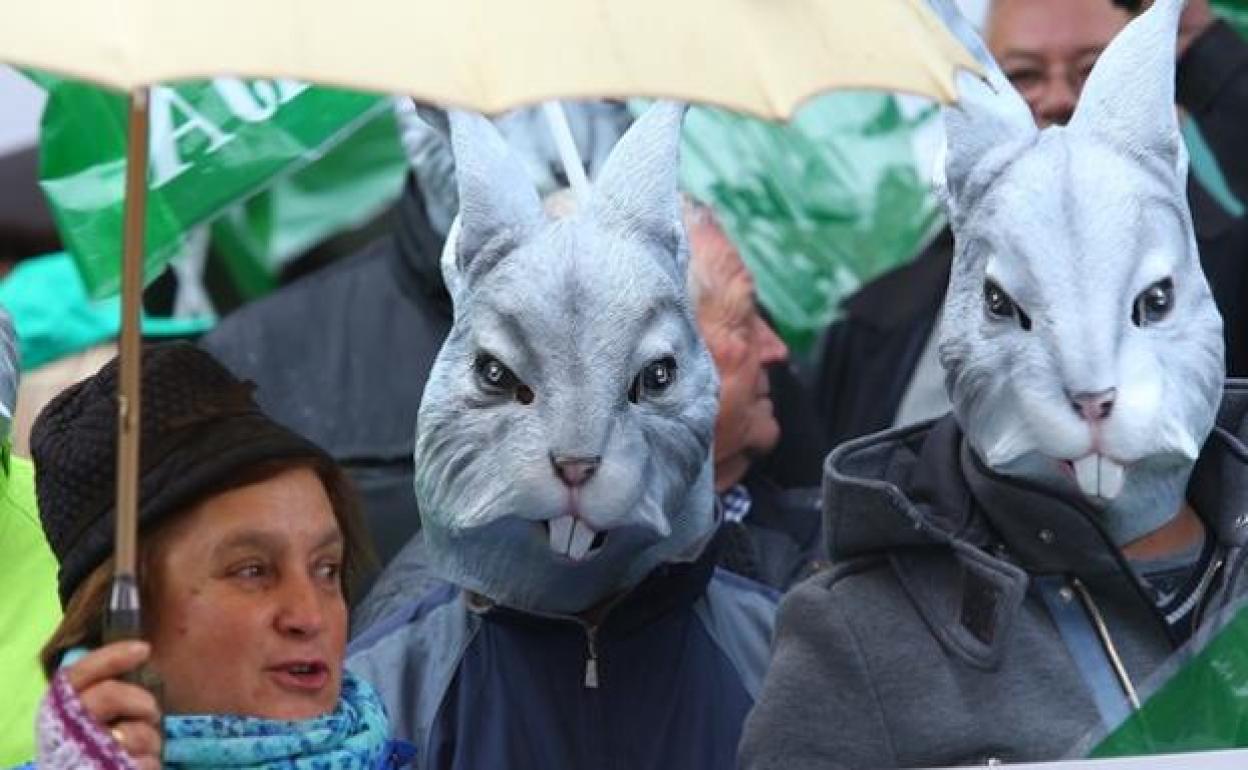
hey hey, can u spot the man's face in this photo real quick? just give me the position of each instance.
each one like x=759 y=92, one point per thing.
x=1047 y=48
x=742 y=346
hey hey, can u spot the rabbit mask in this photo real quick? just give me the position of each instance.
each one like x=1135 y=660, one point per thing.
x=1081 y=344
x=563 y=442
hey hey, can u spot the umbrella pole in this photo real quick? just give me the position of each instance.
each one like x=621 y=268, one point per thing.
x=573 y=168
x=123 y=607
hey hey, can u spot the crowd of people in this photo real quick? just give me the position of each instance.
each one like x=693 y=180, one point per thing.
x=533 y=482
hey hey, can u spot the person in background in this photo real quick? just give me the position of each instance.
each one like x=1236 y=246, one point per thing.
x=249 y=541
x=770 y=533
x=877 y=366
x=28 y=606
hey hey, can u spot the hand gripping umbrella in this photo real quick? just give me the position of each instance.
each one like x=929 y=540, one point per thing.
x=762 y=57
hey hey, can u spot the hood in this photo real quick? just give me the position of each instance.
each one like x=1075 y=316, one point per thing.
x=963 y=540
x=920 y=485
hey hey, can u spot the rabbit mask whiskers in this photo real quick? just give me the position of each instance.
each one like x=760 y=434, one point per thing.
x=1081 y=343
x=563 y=442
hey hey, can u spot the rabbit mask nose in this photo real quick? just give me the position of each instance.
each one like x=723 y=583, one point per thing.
x=1093 y=407
x=574 y=471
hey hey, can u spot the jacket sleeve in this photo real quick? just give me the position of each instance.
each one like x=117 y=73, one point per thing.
x=1213 y=88
x=818 y=707
x=69 y=739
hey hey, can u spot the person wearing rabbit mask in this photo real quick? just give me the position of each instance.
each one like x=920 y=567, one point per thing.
x=564 y=481
x=1007 y=576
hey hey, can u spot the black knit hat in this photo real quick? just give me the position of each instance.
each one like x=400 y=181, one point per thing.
x=200 y=427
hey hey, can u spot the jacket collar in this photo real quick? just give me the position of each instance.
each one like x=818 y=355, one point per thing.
x=669 y=588
x=1053 y=531
x=962 y=539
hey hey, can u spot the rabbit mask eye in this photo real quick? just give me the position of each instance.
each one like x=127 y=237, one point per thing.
x=656 y=377
x=1153 y=304
x=497 y=380
x=999 y=305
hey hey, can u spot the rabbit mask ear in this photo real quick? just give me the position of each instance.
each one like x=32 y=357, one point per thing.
x=985 y=130
x=638 y=191
x=499 y=207
x=1128 y=100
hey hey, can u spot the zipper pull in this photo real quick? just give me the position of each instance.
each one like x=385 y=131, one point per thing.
x=591 y=661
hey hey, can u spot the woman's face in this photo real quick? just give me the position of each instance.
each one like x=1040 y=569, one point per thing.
x=249 y=613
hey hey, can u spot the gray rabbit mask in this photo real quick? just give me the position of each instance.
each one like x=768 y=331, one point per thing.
x=1081 y=343
x=563 y=441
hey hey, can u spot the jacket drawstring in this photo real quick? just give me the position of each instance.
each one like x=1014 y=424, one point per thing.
x=1107 y=642
x=591 y=659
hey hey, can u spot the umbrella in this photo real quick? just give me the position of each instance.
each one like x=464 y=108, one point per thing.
x=763 y=57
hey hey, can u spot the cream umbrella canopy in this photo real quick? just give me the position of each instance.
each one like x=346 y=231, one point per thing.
x=761 y=57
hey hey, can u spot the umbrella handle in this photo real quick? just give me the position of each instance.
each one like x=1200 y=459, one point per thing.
x=123 y=620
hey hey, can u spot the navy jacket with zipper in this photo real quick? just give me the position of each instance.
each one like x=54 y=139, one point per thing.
x=664 y=680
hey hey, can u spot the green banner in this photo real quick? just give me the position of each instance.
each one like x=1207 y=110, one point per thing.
x=836 y=197
x=817 y=206
x=1234 y=11
x=213 y=144
x=1202 y=705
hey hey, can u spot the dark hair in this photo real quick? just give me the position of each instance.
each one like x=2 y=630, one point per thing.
x=83 y=620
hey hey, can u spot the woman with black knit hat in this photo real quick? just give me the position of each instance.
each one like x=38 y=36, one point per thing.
x=248 y=539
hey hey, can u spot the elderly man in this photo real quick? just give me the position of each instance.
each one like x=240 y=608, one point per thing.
x=878 y=366
x=769 y=533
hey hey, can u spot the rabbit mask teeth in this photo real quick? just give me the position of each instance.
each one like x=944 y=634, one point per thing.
x=1081 y=344
x=563 y=441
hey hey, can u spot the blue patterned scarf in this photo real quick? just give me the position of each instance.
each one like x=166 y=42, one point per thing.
x=353 y=737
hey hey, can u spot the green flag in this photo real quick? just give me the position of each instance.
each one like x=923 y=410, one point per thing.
x=213 y=144
x=1202 y=704
x=817 y=206
x=1234 y=11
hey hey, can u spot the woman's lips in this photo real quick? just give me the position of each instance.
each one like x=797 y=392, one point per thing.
x=305 y=677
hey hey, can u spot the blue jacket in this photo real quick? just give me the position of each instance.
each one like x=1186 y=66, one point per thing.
x=664 y=680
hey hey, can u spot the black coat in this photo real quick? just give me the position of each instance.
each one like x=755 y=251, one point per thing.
x=342 y=357
x=866 y=359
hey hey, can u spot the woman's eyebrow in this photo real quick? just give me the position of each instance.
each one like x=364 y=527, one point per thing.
x=332 y=537
x=249 y=538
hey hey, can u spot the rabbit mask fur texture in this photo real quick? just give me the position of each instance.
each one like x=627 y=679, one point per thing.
x=563 y=441
x=1081 y=344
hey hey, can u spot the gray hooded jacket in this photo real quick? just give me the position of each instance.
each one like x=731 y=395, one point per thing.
x=958 y=625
